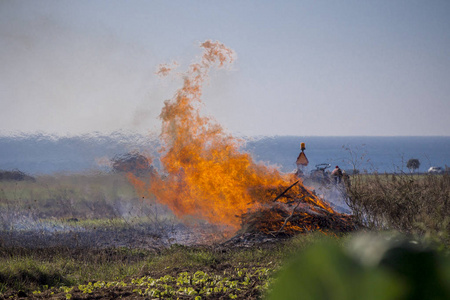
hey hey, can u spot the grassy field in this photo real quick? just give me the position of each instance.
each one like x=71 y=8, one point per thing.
x=177 y=271
x=70 y=196
x=55 y=271
x=91 y=237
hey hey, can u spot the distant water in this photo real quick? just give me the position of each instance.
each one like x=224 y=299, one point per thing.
x=381 y=154
x=38 y=154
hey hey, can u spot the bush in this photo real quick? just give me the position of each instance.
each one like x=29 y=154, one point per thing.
x=15 y=175
x=412 y=204
x=132 y=162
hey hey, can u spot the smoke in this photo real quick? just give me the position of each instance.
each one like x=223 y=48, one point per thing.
x=59 y=78
x=334 y=194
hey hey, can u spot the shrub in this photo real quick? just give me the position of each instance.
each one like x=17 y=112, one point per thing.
x=412 y=204
x=15 y=175
x=132 y=162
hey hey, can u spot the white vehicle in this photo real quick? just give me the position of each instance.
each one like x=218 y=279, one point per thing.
x=435 y=170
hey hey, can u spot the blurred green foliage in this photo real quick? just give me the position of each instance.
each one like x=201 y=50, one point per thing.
x=367 y=267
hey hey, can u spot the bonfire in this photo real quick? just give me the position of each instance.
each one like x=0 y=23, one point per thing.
x=296 y=214
x=206 y=175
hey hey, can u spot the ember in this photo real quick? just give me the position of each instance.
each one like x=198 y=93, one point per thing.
x=207 y=176
x=286 y=219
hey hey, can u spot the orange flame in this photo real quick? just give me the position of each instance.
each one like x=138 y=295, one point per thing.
x=207 y=176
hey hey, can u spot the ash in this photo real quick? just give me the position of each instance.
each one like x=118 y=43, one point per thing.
x=143 y=236
x=251 y=239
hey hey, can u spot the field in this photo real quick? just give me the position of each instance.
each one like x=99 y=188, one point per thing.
x=91 y=237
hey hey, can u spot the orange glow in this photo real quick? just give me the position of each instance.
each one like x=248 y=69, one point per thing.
x=205 y=173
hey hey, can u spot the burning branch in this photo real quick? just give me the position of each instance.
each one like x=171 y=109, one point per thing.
x=290 y=216
x=285 y=191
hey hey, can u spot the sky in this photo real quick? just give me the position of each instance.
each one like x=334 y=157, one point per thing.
x=304 y=68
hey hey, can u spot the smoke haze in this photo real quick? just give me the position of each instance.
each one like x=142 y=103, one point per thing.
x=68 y=81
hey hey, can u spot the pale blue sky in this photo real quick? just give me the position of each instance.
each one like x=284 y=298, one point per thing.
x=329 y=68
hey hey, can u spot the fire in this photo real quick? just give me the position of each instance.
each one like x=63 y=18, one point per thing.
x=204 y=172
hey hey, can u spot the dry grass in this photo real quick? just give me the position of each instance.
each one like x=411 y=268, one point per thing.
x=76 y=197
x=411 y=204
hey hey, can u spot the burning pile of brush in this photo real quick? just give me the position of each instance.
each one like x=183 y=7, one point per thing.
x=293 y=217
x=206 y=175
x=290 y=214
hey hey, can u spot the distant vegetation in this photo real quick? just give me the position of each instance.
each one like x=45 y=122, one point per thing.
x=15 y=175
x=413 y=164
x=132 y=162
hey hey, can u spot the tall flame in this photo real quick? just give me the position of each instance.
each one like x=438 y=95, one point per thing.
x=206 y=174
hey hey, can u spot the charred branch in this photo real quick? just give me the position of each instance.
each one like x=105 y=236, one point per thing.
x=285 y=191
x=290 y=216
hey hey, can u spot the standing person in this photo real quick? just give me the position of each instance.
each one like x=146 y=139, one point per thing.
x=337 y=174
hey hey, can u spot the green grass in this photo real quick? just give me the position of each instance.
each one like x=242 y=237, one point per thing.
x=30 y=269
x=188 y=272
x=40 y=269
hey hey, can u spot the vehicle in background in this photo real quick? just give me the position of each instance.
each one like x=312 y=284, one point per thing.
x=321 y=174
x=435 y=170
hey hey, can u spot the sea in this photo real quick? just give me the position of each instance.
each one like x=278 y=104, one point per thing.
x=44 y=154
